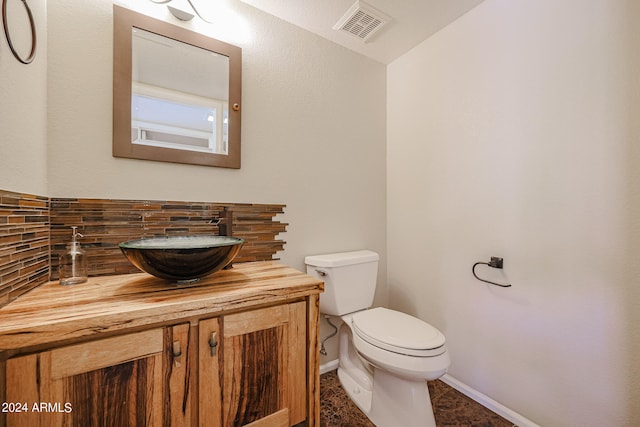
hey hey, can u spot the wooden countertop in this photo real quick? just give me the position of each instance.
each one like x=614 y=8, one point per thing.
x=53 y=313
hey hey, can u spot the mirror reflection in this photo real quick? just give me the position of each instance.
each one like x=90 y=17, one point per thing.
x=173 y=112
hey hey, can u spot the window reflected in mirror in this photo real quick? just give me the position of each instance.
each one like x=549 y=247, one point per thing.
x=183 y=114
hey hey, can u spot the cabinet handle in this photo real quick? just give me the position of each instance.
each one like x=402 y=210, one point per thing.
x=177 y=352
x=213 y=344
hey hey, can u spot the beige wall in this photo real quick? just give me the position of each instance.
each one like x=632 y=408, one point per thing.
x=309 y=139
x=23 y=103
x=513 y=132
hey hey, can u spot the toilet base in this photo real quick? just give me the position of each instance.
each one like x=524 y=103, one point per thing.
x=400 y=402
x=393 y=401
x=358 y=394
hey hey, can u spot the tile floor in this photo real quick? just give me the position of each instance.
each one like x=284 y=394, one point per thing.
x=451 y=408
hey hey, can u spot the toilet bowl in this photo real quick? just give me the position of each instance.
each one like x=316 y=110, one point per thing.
x=385 y=356
x=387 y=381
x=399 y=343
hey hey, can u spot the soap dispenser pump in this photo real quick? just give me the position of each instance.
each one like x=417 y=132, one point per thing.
x=72 y=268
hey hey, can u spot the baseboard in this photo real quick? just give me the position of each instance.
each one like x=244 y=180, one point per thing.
x=488 y=402
x=329 y=366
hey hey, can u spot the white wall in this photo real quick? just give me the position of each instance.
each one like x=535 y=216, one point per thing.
x=513 y=132
x=23 y=95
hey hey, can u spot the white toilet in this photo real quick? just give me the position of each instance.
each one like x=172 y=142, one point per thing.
x=385 y=356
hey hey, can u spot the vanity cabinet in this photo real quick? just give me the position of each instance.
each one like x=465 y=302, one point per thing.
x=229 y=355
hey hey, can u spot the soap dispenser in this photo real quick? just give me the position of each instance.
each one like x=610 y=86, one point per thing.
x=72 y=267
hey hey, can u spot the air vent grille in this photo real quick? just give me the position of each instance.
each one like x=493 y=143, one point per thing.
x=362 y=20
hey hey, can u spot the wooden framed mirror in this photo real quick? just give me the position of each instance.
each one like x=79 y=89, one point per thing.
x=176 y=93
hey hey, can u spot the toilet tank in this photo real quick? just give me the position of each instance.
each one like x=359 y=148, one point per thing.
x=349 y=280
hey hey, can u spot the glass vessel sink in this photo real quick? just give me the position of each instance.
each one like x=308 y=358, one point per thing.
x=184 y=259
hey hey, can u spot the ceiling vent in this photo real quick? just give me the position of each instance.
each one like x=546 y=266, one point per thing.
x=362 y=20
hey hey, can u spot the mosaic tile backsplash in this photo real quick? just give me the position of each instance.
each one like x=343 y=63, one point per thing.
x=105 y=223
x=35 y=230
x=24 y=244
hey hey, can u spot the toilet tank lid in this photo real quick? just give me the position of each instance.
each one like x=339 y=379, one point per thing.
x=341 y=259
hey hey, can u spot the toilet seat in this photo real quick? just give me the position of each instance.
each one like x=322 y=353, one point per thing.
x=413 y=368
x=398 y=332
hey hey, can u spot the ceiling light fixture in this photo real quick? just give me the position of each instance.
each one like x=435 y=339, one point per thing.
x=180 y=10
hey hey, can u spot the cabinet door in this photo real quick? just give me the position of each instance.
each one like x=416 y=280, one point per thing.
x=179 y=359
x=114 y=382
x=209 y=379
x=258 y=376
